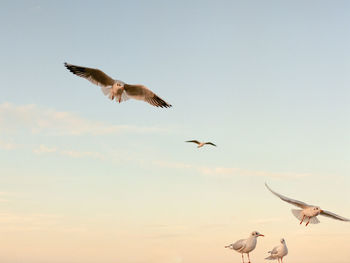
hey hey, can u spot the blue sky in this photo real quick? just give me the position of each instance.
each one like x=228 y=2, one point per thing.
x=266 y=81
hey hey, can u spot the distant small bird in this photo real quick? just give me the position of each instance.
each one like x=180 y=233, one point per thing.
x=117 y=89
x=278 y=252
x=308 y=212
x=245 y=245
x=201 y=144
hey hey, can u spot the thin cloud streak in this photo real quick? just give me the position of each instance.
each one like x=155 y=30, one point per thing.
x=266 y=220
x=43 y=149
x=83 y=154
x=218 y=171
x=225 y=171
x=19 y=222
x=4 y=197
x=46 y=121
x=8 y=145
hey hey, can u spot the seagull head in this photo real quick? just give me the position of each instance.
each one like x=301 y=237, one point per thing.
x=317 y=209
x=256 y=234
x=283 y=241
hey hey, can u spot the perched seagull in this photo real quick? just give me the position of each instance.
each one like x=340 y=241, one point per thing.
x=245 y=245
x=278 y=252
x=308 y=212
x=201 y=144
x=117 y=89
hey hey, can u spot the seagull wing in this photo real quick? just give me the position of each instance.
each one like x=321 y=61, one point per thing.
x=95 y=76
x=195 y=141
x=140 y=92
x=210 y=143
x=334 y=216
x=288 y=200
x=239 y=245
x=274 y=251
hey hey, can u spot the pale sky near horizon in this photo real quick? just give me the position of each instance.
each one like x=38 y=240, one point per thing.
x=84 y=179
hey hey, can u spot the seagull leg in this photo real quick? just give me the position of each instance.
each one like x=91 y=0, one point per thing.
x=302 y=219
x=248 y=258
x=120 y=98
x=242 y=258
x=308 y=222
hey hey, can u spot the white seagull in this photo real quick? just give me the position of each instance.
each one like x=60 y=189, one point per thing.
x=245 y=245
x=117 y=89
x=308 y=212
x=201 y=144
x=278 y=252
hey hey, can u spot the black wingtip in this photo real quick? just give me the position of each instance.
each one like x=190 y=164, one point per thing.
x=68 y=66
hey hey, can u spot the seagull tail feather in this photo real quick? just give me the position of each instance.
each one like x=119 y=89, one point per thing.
x=314 y=220
x=297 y=213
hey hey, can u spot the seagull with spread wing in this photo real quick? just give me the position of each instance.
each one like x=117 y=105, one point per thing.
x=307 y=212
x=246 y=245
x=117 y=89
x=201 y=144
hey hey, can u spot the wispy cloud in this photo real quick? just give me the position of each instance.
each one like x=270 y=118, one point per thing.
x=266 y=220
x=51 y=122
x=44 y=149
x=225 y=171
x=165 y=236
x=19 y=222
x=82 y=154
x=219 y=171
x=7 y=145
x=212 y=226
x=229 y=171
x=4 y=197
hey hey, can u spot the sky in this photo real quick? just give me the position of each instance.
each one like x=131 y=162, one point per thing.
x=84 y=179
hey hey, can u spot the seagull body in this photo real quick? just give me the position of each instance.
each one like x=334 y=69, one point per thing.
x=278 y=252
x=245 y=245
x=201 y=144
x=308 y=212
x=117 y=89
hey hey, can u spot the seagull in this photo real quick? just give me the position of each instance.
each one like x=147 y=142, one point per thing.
x=201 y=144
x=245 y=245
x=308 y=212
x=278 y=252
x=117 y=89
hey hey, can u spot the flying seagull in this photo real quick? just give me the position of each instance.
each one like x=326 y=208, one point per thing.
x=117 y=89
x=278 y=252
x=245 y=245
x=201 y=144
x=308 y=212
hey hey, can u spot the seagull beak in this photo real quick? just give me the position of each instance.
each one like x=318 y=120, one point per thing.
x=260 y=235
x=321 y=211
